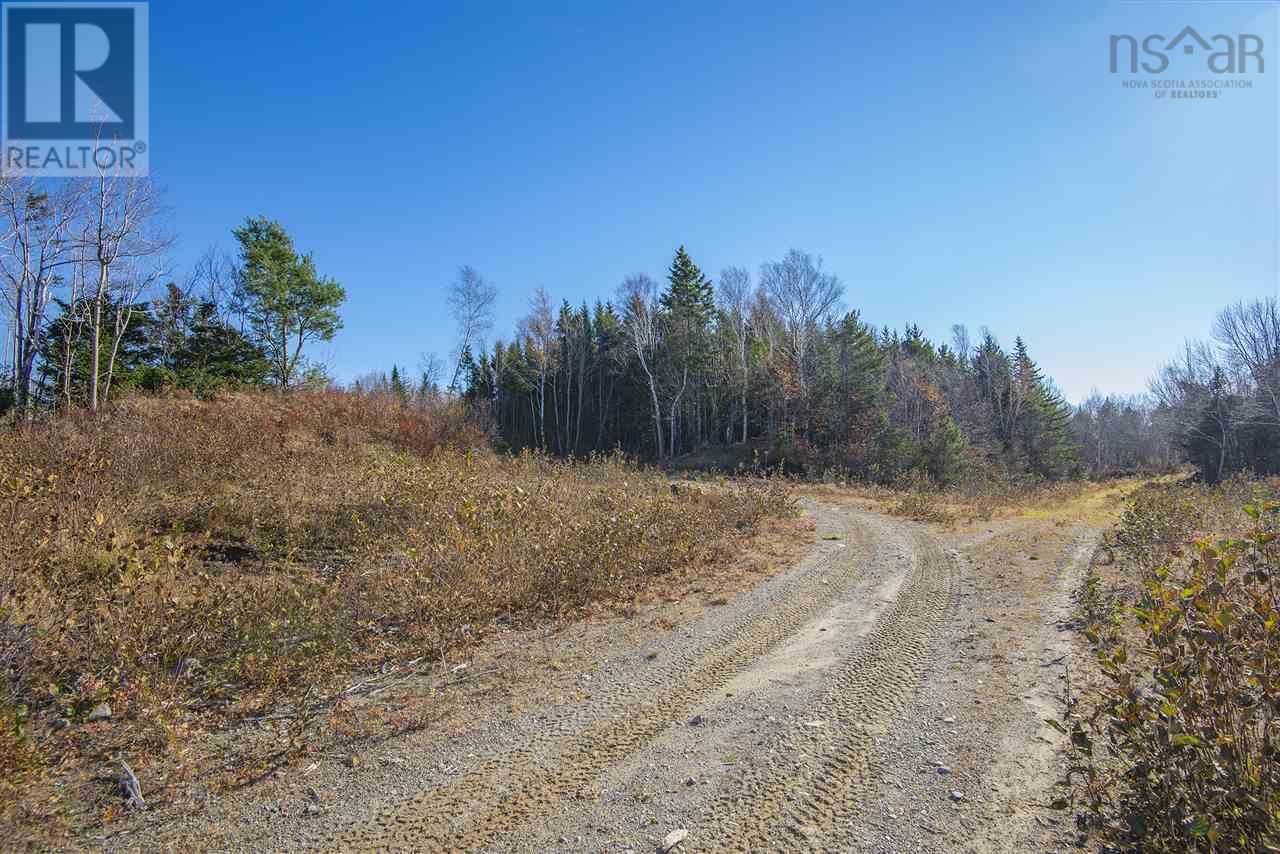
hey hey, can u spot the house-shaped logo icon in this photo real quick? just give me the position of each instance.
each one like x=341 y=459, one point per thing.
x=1188 y=32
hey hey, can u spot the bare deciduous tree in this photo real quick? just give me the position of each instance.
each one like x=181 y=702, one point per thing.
x=72 y=321
x=1190 y=393
x=215 y=279
x=638 y=295
x=471 y=301
x=36 y=250
x=132 y=280
x=432 y=368
x=121 y=228
x=538 y=330
x=1249 y=334
x=961 y=343
x=803 y=296
x=1121 y=433
x=735 y=303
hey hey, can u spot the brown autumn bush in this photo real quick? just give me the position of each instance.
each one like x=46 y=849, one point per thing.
x=980 y=495
x=1178 y=747
x=194 y=563
x=921 y=505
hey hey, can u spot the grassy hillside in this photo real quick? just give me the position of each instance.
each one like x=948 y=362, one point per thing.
x=193 y=564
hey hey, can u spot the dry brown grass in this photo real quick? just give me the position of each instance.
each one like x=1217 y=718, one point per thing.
x=197 y=564
x=972 y=501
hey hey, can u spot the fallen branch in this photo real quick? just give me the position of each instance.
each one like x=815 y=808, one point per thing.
x=371 y=686
x=132 y=788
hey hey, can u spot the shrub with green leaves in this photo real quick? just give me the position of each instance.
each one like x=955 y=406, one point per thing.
x=1179 y=750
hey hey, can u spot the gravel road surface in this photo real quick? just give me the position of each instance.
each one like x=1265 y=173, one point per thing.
x=886 y=693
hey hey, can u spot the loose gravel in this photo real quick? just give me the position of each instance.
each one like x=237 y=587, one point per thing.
x=884 y=694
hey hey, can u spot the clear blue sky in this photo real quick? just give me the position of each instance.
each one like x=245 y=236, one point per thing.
x=975 y=165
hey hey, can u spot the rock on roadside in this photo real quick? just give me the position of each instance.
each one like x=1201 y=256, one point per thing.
x=673 y=839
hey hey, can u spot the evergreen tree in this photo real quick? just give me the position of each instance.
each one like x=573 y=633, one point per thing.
x=943 y=453
x=689 y=293
x=688 y=306
x=66 y=356
x=993 y=377
x=289 y=303
x=212 y=355
x=1044 y=422
x=398 y=387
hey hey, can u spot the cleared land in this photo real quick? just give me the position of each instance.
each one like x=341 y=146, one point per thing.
x=886 y=691
x=212 y=593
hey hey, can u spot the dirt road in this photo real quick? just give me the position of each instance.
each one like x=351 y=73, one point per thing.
x=887 y=693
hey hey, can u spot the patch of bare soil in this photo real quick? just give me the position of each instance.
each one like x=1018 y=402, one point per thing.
x=885 y=692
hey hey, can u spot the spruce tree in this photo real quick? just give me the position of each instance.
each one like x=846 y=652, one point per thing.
x=1044 y=420
x=398 y=388
x=216 y=355
x=688 y=306
x=690 y=293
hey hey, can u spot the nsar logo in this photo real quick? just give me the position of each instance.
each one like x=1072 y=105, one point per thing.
x=1223 y=54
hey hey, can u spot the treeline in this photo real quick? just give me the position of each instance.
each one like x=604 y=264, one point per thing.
x=1220 y=399
x=1124 y=434
x=665 y=370
x=421 y=393
x=91 y=310
x=768 y=368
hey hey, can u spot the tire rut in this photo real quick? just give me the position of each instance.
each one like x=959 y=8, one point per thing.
x=775 y=809
x=483 y=807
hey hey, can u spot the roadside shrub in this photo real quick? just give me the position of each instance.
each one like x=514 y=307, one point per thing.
x=1178 y=749
x=194 y=563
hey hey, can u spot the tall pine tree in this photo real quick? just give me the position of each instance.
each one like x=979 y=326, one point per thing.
x=1044 y=421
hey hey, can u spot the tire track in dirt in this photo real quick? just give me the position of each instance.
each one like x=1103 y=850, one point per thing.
x=559 y=761
x=868 y=690
x=995 y=675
